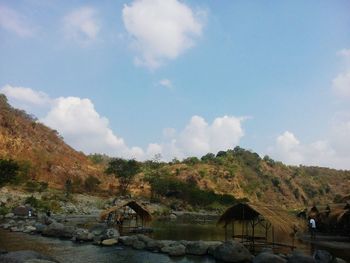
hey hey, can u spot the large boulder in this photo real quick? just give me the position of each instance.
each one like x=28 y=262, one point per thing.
x=23 y=256
x=299 y=257
x=323 y=256
x=267 y=257
x=197 y=248
x=127 y=240
x=175 y=249
x=232 y=251
x=58 y=230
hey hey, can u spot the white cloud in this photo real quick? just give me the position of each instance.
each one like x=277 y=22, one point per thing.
x=81 y=25
x=77 y=120
x=199 y=137
x=333 y=152
x=161 y=29
x=341 y=83
x=166 y=83
x=12 y=21
x=26 y=95
x=83 y=128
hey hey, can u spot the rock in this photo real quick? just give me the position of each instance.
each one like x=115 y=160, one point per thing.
x=198 y=248
x=23 y=256
x=299 y=257
x=83 y=235
x=323 y=256
x=267 y=257
x=127 y=240
x=38 y=261
x=111 y=233
x=213 y=246
x=109 y=242
x=98 y=229
x=58 y=230
x=175 y=250
x=138 y=244
x=10 y=215
x=143 y=238
x=39 y=227
x=232 y=251
x=339 y=260
x=3 y=251
x=29 y=229
x=172 y=217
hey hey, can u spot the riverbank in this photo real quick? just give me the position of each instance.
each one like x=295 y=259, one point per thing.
x=101 y=235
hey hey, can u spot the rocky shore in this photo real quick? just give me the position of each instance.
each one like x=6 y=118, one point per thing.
x=100 y=234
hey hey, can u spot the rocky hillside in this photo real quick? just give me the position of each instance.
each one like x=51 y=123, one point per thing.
x=246 y=175
x=47 y=157
x=238 y=172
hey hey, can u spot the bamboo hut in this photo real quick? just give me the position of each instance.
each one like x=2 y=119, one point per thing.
x=270 y=218
x=129 y=217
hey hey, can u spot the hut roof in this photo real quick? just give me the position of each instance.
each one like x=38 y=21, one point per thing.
x=280 y=219
x=138 y=208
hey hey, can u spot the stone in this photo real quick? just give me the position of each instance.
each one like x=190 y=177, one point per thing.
x=232 y=251
x=127 y=240
x=138 y=244
x=213 y=246
x=83 y=235
x=59 y=230
x=39 y=227
x=111 y=233
x=198 y=248
x=339 y=260
x=29 y=229
x=175 y=250
x=3 y=251
x=109 y=242
x=323 y=256
x=299 y=257
x=267 y=257
x=38 y=261
x=23 y=256
x=9 y=215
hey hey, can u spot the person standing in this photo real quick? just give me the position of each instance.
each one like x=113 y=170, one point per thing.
x=312 y=227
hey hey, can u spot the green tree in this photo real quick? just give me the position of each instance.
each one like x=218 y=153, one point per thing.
x=8 y=171
x=125 y=171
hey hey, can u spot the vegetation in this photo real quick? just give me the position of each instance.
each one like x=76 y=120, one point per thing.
x=91 y=184
x=125 y=171
x=9 y=170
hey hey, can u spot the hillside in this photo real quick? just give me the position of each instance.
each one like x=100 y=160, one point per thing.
x=239 y=173
x=47 y=157
x=245 y=175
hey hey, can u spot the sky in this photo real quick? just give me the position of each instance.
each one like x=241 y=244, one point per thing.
x=136 y=78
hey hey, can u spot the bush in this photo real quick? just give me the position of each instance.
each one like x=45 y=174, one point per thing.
x=4 y=210
x=91 y=183
x=33 y=186
x=8 y=171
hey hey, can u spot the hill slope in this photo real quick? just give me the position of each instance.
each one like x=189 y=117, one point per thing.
x=50 y=159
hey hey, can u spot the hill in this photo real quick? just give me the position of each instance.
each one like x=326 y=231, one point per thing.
x=213 y=179
x=41 y=150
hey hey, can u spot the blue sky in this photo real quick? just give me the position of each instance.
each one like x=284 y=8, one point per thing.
x=181 y=78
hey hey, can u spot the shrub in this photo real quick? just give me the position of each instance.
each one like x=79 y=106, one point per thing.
x=91 y=183
x=8 y=171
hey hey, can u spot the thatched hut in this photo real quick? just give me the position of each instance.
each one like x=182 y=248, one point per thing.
x=250 y=216
x=130 y=215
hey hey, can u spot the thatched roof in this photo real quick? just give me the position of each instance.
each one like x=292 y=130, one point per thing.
x=138 y=208
x=280 y=219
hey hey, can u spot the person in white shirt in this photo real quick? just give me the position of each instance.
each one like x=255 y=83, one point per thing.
x=312 y=227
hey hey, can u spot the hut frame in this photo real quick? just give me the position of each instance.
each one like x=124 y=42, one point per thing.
x=124 y=215
x=253 y=215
